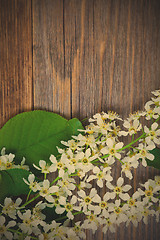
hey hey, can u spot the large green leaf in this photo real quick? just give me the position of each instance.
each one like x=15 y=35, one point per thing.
x=35 y=135
x=156 y=162
x=12 y=184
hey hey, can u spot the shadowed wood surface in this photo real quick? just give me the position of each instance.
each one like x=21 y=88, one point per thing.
x=15 y=58
x=77 y=58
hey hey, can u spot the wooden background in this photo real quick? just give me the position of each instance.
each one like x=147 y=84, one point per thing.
x=76 y=58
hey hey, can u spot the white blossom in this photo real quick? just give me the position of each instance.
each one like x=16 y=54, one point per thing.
x=31 y=182
x=4 y=228
x=128 y=164
x=119 y=189
x=151 y=188
x=10 y=207
x=45 y=190
x=144 y=153
x=87 y=201
x=69 y=207
x=153 y=134
x=118 y=212
x=151 y=112
x=112 y=149
x=101 y=175
x=132 y=126
x=57 y=165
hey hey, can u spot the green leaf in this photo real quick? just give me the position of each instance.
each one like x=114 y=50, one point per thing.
x=35 y=135
x=73 y=125
x=12 y=184
x=156 y=162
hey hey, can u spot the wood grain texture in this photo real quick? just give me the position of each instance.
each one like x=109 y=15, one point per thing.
x=51 y=88
x=88 y=56
x=15 y=58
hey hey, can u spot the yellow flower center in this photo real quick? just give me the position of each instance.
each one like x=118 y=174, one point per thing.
x=133 y=217
x=76 y=228
x=108 y=222
x=27 y=221
x=69 y=207
x=2 y=229
x=103 y=205
x=145 y=213
x=152 y=133
x=59 y=165
x=100 y=175
x=8 y=165
x=91 y=217
x=143 y=152
x=148 y=193
x=127 y=166
x=85 y=161
x=44 y=191
x=73 y=161
x=87 y=200
x=132 y=129
x=131 y=202
x=112 y=151
x=118 y=189
x=150 y=111
x=117 y=210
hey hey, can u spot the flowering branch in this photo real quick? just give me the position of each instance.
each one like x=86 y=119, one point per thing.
x=86 y=161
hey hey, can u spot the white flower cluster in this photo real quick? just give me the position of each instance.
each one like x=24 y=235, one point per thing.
x=7 y=161
x=88 y=160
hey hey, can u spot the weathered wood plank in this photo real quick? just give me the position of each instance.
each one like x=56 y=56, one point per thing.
x=15 y=58
x=51 y=88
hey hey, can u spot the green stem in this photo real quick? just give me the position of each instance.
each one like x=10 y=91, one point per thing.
x=86 y=146
x=119 y=160
x=136 y=140
x=20 y=233
x=14 y=231
x=64 y=217
x=55 y=180
x=73 y=174
x=28 y=195
x=157 y=119
x=99 y=137
x=134 y=148
x=25 y=204
x=127 y=146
